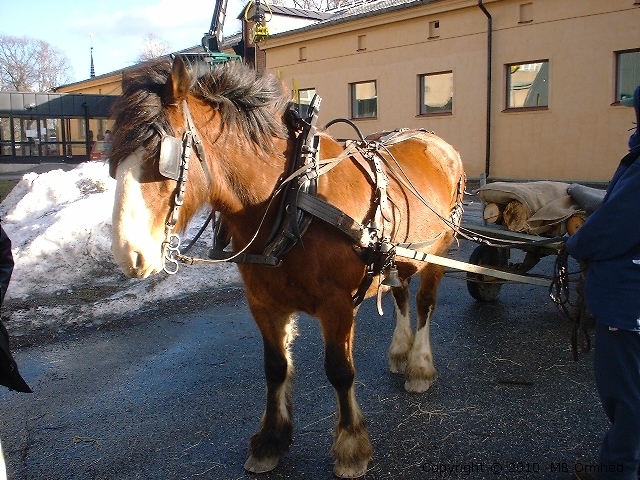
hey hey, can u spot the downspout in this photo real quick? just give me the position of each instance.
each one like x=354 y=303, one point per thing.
x=487 y=162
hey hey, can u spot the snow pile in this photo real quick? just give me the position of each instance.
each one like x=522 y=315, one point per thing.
x=59 y=223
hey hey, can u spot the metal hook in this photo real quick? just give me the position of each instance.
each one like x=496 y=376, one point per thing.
x=170 y=248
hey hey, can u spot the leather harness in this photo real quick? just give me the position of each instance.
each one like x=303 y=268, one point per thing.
x=300 y=204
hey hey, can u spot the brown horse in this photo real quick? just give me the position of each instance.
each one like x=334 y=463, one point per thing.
x=239 y=116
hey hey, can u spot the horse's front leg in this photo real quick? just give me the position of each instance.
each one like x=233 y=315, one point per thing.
x=351 y=447
x=420 y=371
x=402 y=339
x=276 y=427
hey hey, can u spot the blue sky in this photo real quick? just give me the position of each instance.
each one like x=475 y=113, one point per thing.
x=114 y=27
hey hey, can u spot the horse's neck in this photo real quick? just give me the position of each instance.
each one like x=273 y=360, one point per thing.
x=244 y=179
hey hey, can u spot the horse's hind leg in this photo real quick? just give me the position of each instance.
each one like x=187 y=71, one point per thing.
x=276 y=427
x=402 y=339
x=351 y=447
x=420 y=371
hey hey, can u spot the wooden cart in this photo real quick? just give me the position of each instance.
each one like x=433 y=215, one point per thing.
x=485 y=286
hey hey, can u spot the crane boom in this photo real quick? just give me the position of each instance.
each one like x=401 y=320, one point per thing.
x=202 y=63
x=212 y=40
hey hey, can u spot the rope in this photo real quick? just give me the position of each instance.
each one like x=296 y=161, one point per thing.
x=559 y=292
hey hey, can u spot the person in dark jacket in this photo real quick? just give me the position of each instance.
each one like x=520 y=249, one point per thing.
x=9 y=375
x=609 y=243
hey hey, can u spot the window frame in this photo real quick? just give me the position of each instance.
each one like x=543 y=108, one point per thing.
x=421 y=95
x=362 y=43
x=508 y=84
x=618 y=93
x=298 y=104
x=352 y=100
x=434 y=29
x=526 y=13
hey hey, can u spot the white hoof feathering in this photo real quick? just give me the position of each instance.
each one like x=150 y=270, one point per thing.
x=420 y=370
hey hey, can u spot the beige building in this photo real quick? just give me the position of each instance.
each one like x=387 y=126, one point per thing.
x=558 y=69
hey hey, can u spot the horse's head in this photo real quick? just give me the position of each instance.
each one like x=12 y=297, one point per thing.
x=163 y=118
x=149 y=142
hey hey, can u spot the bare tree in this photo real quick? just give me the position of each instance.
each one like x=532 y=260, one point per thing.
x=153 y=47
x=31 y=65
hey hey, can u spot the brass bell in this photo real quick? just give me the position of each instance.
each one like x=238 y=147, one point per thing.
x=391 y=278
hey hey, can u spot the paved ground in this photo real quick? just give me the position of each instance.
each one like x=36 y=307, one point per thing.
x=176 y=393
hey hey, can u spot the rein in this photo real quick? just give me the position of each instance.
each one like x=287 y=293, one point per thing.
x=300 y=203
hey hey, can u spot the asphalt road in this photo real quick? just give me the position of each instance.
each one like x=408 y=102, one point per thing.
x=177 y=394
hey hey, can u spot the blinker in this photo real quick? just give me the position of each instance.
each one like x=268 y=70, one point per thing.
x=170 y=157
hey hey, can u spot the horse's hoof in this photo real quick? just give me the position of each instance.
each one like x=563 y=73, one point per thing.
x=351 y=471
x=417 y=385
x=260 y=465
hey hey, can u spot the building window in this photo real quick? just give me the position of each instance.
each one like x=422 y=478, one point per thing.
x=528 y=84
x=434 y=29
x=6 y=142
x=627 y=72
x=364 y=100
x=302 y=54
x=436 y=93
x=302 y=99
x=362 y=43
x=52 y=136
x=526 y=13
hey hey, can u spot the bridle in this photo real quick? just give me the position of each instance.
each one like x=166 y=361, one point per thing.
x=173 y=163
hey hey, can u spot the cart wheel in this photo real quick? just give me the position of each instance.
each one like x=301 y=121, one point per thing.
x=486 y=256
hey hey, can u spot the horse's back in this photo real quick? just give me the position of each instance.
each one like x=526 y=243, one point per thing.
x=431 y=165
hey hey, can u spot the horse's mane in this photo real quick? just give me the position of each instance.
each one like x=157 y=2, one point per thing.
x=139 y=109
x=250 y=102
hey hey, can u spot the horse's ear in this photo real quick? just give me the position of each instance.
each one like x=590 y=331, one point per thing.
x=177 y=86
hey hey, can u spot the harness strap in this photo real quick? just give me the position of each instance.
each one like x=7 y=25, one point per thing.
x=292 y=222
x=334 y=216
x=217 y=256
x=195 y=141
x=468 y=267
x=377 y=258
x=323 y=166
x=383 y=210
x=230 y=257
x=397 y=136
x=190 y=140
x=419 y=245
